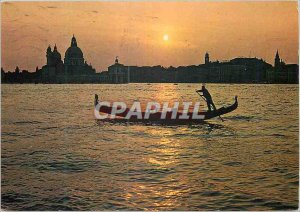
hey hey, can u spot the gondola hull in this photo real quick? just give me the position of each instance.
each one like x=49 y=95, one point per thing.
x=156 y=117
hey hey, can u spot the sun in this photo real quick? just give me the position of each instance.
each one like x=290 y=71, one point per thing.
x=166 y=37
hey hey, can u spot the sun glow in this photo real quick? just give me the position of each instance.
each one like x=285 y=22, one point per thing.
x=166 y=37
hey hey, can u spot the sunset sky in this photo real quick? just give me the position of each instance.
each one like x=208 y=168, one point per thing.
x=148 y=33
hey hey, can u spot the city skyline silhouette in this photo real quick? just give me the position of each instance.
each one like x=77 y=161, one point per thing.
x=72 y=67
x=148 y=34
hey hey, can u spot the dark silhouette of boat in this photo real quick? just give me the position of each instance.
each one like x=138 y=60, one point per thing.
x=156 y=117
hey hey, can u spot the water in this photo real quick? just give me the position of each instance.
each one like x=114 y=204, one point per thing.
x=56 y=156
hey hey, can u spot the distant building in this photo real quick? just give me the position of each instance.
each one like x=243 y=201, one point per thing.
x=237 y=70
x=53 y=67
x=118 y=73
x=252 y=69
x=74 y=61
x=206 y=58
x=73 y=70
x=283 y=73
x=277 y=62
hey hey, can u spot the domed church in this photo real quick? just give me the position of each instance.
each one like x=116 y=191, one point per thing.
x=73 y=58
x=74 y=61
x=74 y=68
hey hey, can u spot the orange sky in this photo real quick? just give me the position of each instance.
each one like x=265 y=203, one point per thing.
x=134 y=31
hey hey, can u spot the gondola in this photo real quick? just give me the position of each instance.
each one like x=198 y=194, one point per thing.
x=156 y=117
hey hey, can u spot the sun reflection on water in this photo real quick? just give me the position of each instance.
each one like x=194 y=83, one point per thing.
x=249 y=161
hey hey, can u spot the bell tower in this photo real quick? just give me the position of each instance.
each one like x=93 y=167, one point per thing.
x=49 y=56
x=206 y=58
x=277 y=60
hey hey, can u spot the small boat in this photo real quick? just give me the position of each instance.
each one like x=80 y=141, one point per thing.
x=156 y=117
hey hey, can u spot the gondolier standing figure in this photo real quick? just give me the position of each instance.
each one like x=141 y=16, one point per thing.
x=208 y=98
x=96 y=101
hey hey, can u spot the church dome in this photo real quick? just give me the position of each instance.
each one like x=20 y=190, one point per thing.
x=73 y=51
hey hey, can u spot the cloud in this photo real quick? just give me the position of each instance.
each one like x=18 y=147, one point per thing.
x=44 y=29
x=8 y=3
x=14 y=20
x=152 y=17
x=35 y=48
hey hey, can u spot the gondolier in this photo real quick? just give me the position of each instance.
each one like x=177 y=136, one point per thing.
x=162 y=114
x=208 y=98
x=96 y=101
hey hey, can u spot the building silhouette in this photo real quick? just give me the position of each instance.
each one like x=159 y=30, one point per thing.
x=277 y=61
x=54 y=65
x=237 y=70
x=118 y=73
x=74 y=60
x=282 y=72
x=206 y=58
x=74 y=69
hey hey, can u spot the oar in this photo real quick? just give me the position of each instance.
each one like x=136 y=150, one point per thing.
x=206 y=101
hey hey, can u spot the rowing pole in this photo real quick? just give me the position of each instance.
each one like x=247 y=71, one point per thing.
x=206 y=101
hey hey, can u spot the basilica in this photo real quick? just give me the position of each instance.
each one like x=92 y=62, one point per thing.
x=74 y=69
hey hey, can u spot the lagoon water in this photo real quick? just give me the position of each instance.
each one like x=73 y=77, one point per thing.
x=56 y=156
